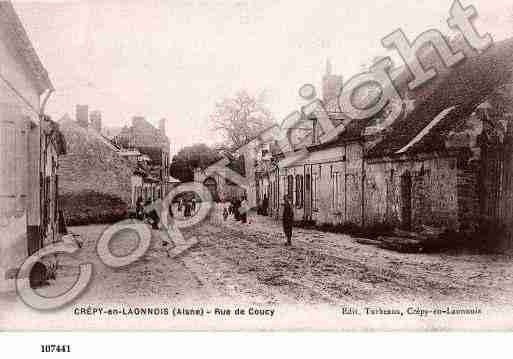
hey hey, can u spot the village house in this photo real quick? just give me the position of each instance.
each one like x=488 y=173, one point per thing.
x=153 y=180
x=218 y=182
x=30 y=144
x=440 y=157
x=101 y=178
x=94 y=180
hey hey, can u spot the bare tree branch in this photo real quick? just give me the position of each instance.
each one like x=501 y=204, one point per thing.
x=240 y=118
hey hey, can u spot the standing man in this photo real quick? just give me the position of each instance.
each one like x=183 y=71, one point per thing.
x=265 y=205
x=139 y=209
x=244 y=209
x=193 y=205
x=288 y=220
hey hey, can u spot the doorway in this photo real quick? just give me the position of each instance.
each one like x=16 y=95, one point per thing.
x=406 y=189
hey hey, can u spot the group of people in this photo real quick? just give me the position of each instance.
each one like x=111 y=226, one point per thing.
x=187 y=206
x=160 y=223
x=240 y=210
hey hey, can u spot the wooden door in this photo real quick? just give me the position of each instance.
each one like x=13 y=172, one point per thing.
x=406 y=188
x=308 y=194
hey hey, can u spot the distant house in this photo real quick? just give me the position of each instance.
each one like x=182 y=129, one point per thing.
x=221 y=187
x=26 y=207
x=154 y=147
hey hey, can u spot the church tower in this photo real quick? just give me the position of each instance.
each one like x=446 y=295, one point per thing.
x=331 y=84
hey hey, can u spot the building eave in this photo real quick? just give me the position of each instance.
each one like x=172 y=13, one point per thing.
x=24 y=47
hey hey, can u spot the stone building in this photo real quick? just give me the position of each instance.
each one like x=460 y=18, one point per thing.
x=94 y=179
x=441 y=157
x=218 y=182
x=24 y=89
x=92 y=162
x=153 y=144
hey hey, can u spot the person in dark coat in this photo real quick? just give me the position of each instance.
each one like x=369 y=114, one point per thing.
x=288 y=220
x=243 y=210
x=139 y=210
x=236 y=206
x=265 y=205
x=154 y=219
x=187 y=210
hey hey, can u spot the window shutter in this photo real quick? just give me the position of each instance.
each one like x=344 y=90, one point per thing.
x=8 y=153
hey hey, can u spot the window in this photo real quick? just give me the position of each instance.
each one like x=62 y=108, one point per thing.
x=299 y=191
x=290 y=187
x=336 y=191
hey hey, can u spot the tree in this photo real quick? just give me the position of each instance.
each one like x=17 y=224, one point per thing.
x=191 y=157
x=241 y=118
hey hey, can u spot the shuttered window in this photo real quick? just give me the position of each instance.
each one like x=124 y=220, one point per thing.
x=299 y=191
x=13 y=164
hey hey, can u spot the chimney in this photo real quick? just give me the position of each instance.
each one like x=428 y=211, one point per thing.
x=82 y=115
x=137 y=121
x=331 y=84
x=162 y=125
x=96 y=120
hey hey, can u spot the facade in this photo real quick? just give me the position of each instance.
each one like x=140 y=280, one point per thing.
x=92 y=162
x=221 y=188
x=442 y=157
x=23 y=85
x=154 y=148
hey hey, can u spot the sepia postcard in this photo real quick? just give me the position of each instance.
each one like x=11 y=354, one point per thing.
x=243 y=165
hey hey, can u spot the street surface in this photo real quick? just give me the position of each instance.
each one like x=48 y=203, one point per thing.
x=248 y=263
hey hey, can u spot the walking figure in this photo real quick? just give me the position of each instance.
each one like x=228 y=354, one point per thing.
x=187 y=209
x=139 y=209
x=193 y=205
x=244 y=209
x=288 y=220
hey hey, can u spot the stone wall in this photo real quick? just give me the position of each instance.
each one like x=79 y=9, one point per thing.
x=443 y=191
x=434 y=192
x=468 y=195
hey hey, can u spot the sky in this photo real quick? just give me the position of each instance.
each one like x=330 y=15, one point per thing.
x=175 y=59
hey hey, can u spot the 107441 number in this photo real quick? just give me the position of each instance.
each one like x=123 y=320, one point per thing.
x=53 y=348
